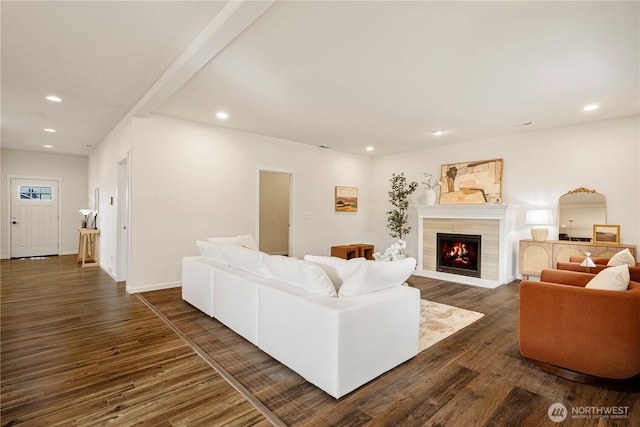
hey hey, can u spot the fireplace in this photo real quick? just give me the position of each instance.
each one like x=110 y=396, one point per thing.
x=459 y=254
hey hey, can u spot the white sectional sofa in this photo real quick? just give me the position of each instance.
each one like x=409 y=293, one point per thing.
x=291 y=310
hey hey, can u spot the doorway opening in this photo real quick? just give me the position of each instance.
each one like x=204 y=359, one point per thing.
x=275 y=212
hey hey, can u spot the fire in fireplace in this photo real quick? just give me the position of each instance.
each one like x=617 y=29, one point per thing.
x=459 y=253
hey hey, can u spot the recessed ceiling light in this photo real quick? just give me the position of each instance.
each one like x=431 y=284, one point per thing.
x=47 y=146
x=49 y=130
x=438 y=132
x=53 y=98
x=369 y=148
x=222 y=115
x=590 y=107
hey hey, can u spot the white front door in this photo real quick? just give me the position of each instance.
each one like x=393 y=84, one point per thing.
x=34 y=217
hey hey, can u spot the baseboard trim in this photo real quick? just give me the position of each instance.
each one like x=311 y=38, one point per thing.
x=152 y=287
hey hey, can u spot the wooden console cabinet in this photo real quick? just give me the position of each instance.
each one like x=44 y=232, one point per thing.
x=536 y=255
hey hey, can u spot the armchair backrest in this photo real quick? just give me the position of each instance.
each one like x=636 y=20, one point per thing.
x=574 y=278
x=634 y=272
x=596 y=260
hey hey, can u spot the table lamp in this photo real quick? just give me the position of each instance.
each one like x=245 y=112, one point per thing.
x=85 y=216
x=539 y=218
x=588 y=262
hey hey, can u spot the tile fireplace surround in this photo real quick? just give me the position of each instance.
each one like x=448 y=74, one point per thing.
x=496 y=225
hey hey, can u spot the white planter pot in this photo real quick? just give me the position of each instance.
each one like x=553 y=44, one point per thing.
x=431 y=196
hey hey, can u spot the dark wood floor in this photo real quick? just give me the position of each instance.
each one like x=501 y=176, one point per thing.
x=475 y=377
x=77 y=350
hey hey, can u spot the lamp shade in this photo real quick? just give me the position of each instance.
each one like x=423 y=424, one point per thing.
x=539 y=217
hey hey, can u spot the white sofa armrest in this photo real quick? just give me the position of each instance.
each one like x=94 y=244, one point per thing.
x=197 y=282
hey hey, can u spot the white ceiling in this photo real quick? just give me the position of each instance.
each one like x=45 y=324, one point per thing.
x=100 y=57
x=341 y=74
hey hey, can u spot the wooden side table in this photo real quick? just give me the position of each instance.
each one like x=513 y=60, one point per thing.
x=88 y=247
x=345 y=251
x=365 y=250
x=353 y=251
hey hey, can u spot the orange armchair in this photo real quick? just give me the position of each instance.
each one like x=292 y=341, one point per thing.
x=594 y=332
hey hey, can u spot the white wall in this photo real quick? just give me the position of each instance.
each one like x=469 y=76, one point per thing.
x=103 y=174
x=72 y=172
x=190 y=181
x=538 y=168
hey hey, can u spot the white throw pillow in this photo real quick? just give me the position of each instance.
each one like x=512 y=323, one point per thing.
x=374 y=276
x=211 y=251
x=300 y=274
x=247 y=260
x=623 y=257
x=246 y=241
x=337 y=269
x=611 y=279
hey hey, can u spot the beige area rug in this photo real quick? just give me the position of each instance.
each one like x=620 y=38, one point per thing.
x=438 y=321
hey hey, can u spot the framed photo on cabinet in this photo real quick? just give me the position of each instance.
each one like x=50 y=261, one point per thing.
x=606 y=233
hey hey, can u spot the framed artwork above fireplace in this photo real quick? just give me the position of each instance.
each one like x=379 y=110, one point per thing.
x=471 y=183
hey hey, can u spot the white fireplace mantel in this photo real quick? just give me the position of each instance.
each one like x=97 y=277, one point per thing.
x=465 y=211
x=504 y=214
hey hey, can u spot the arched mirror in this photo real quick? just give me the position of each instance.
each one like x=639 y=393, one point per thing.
x=578 y=211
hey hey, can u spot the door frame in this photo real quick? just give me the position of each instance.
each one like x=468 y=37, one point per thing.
x=292 y=228
x=8 y=193
x=123 y=190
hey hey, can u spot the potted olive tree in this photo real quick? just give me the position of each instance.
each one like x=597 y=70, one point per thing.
x=398 y=217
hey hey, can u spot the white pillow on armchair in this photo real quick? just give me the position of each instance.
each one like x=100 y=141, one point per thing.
x=623 y=257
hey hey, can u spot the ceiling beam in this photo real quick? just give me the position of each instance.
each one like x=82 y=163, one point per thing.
x=231 y=21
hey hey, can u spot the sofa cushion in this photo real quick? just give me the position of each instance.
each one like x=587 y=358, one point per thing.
x=235 y=256
x=372 y=276
x=611 y=279
x=212 y=252
x=247 y=260
x=623 y=257
x=245 y=240
x=337 y=269
x=300 y=274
